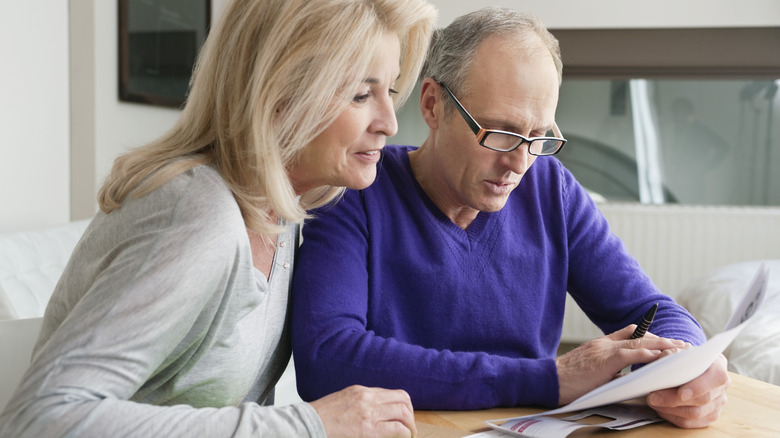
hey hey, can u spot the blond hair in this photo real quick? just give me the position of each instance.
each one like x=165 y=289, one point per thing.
x=271 y=76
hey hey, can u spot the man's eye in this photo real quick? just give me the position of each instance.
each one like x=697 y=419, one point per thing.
x=393 y=92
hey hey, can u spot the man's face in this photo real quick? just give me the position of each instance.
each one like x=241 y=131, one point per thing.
x=507 y=90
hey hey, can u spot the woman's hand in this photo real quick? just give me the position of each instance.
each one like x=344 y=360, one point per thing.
x=358 y=411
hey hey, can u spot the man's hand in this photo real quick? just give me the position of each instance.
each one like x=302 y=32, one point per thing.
x=596 y=362
x=697 y=403
x=358 y=411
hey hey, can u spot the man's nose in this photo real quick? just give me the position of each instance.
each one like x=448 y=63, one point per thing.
x=519 y=160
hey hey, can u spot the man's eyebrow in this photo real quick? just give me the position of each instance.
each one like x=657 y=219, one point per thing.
x=512 y=127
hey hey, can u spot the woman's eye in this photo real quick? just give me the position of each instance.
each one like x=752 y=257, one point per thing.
x=360 y=98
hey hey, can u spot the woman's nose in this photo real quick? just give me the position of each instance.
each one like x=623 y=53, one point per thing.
x=386 y=122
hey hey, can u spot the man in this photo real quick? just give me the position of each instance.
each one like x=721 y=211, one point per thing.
x=447 y=277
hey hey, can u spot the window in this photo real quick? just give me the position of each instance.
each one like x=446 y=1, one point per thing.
x=665 y=115
x=673 y=140
x=673 y=115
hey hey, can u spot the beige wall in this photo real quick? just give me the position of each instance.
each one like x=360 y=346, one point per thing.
x=118 y=126
x=50 y=170
x=34 y=123
x=563 y=14
x=103 y=126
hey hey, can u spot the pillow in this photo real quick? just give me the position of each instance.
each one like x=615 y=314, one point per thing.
x=6 y=309
x=712 y=298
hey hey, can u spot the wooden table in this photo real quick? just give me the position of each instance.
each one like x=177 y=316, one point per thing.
x=753 y=410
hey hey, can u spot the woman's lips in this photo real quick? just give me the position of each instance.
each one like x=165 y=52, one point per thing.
x=370 y=155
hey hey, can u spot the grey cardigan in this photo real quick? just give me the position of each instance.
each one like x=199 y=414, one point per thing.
x=161 y=326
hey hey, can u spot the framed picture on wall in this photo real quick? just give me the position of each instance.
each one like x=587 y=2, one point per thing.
x=158 y=43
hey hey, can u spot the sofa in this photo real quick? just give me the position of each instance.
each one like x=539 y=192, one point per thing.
x=30 y=266
x=32 y=261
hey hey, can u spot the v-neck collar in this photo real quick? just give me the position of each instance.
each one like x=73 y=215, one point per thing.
x=260 y=275
x=476 y=231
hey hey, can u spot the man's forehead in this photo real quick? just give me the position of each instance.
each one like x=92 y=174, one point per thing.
x=508 y=90
x=507 y=53
x=522 y=44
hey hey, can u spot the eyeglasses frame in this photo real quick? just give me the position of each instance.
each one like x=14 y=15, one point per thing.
x=482 y=133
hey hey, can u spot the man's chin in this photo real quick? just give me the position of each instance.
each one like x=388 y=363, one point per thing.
x=493 y=205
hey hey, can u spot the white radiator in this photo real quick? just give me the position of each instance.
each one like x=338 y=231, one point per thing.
x=675 y=244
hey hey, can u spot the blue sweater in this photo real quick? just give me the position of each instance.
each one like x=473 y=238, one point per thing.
x=389 y=292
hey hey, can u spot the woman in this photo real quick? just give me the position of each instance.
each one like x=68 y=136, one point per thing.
x=169 y=319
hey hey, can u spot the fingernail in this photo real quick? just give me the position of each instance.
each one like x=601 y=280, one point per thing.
x=686 y=395
x=655 y=399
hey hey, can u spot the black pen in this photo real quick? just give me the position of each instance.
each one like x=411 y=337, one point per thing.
x=646 y=321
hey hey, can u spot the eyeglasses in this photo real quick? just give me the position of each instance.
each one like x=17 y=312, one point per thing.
x=504 y=141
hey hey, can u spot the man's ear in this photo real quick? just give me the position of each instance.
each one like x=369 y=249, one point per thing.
x=430 y=102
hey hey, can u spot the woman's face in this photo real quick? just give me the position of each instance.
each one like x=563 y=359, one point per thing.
x=346 y=153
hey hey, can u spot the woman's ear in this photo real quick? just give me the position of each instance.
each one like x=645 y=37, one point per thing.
x=431 y=105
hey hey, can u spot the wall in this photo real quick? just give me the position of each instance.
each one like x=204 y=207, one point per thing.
x=34 y=121
x=616 y=14
x=574 y=14
x=122 y=125
x=116 y=126
x=113 y=126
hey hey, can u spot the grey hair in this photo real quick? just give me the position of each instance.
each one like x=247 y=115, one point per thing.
x=453 y=47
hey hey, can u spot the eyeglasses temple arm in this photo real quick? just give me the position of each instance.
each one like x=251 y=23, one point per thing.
x=475 y=128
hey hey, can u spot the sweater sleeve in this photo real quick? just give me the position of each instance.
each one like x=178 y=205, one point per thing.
x=606 y=281
x=334 y=348
x=143 y=316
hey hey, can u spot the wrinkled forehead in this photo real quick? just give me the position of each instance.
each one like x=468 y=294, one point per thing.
x=505 y=55
x=507 y=73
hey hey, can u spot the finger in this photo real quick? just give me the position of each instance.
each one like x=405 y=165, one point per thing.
x=715 y=378
x=649 y=340
x=623 y=334
x=692 y=416
x=713 y=383
x=671 y=398
x=399 y=412
x=395 y=405
x=650 y=335
x=394 y=429
x=670 y=351
x=392 y=396
x=686 y=422
x=678 y=397
x=655 y=343
x=632 y=356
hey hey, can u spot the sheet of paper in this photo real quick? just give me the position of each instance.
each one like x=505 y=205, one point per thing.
x=623 y=417
x=670 y=371
x=752 y=300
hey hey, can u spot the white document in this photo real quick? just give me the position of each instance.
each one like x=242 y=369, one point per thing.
x=668 y=372
x=623 y=417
